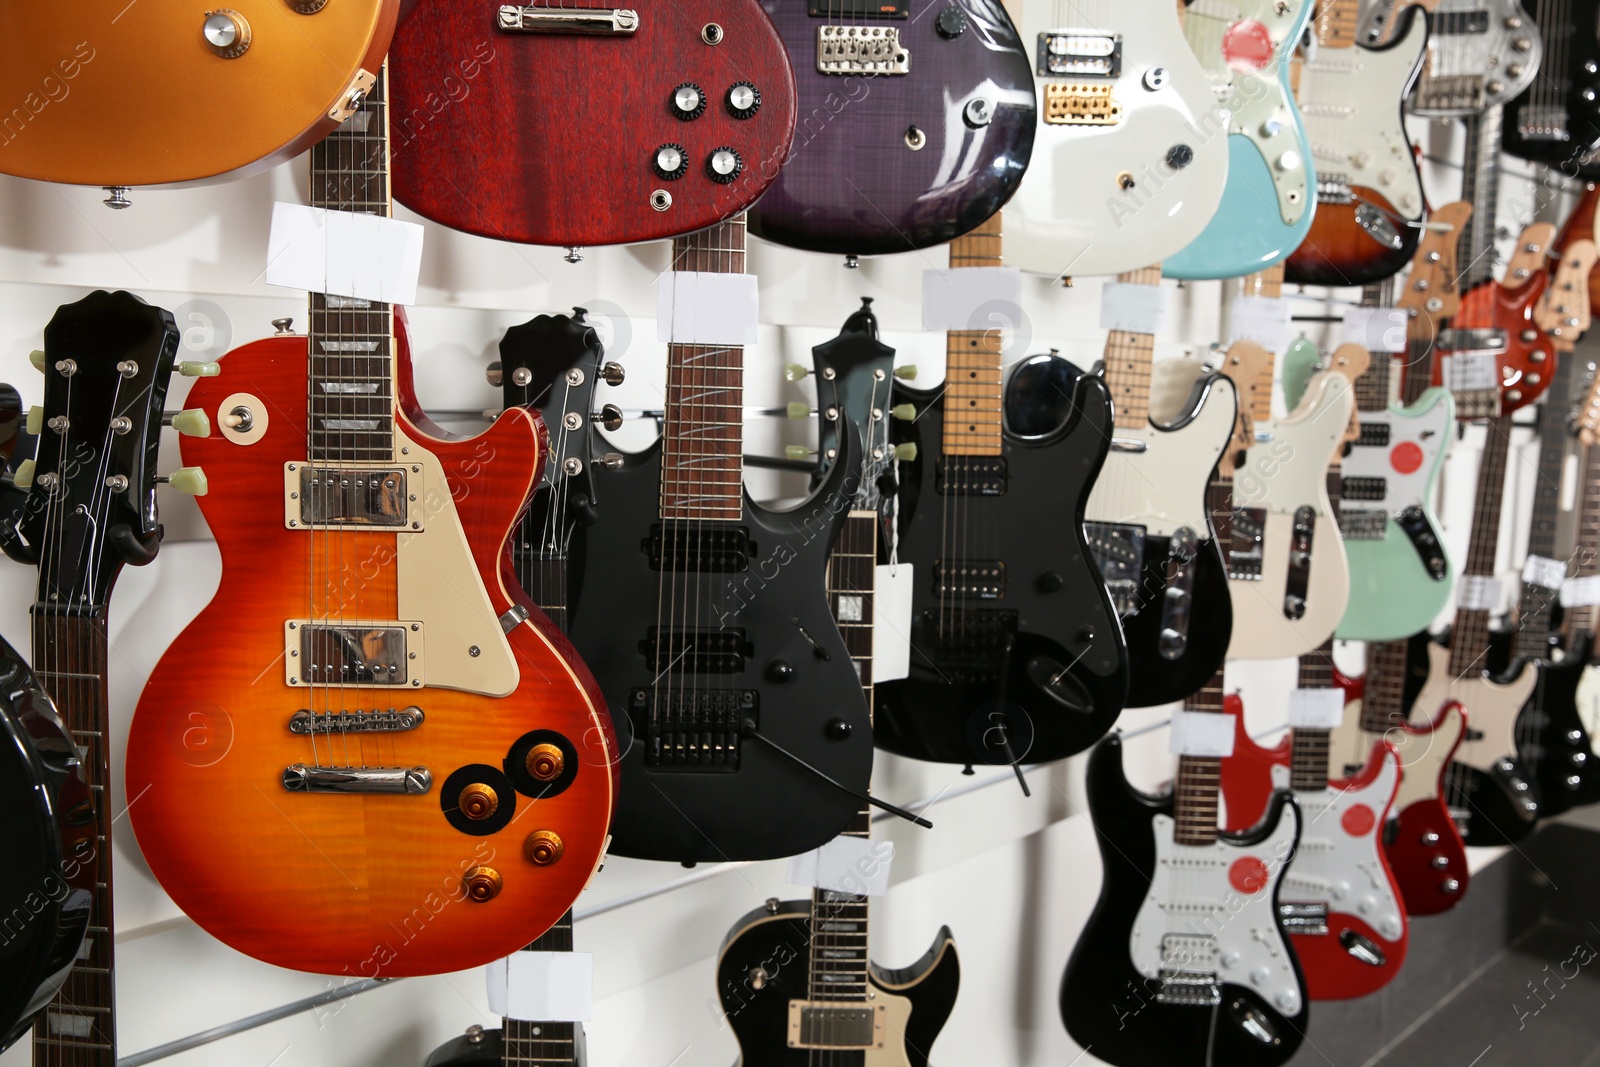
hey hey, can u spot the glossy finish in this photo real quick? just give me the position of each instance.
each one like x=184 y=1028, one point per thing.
x=1580 y=227
x=378 y=877
x=852 y=184
x=1553 y=741
x=575 y=121
x=1060 y=683
x=1108 y=1004
x=1490 y=59
x=1528 y=363
x=151 y=104
x=1556 y=120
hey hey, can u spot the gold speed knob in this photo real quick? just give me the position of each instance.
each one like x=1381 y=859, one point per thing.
x=483 y=884
x=545 y=763
x=543 y=847
x=478 y=801
x=226 y=32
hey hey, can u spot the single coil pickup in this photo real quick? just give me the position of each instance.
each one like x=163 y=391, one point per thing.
x=970 y=579
x=1334 y=190
x=1304 y=918
x=1363 y=524
x=1374 y=435
x=700 y=547
x=861 y=50
x=1543 y=123
x=834 y=9
x=837 y=1026
x=1080 y=104
x=971 y=476
x=692 y=730
x=355 y=722
x=1079 y=53
x=412 y=781
x=1458 y=22
x=1363 y=488
x=696 y=651
x=1119 y=553
x=348 y=496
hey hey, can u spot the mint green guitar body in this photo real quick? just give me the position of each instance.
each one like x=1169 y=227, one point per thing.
x=1401 y=575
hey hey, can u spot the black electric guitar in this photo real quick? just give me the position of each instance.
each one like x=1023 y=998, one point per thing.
x=705 y=619
x=1184 y=961
x=1016 y=653
x=1556 y=120
x=91 y=509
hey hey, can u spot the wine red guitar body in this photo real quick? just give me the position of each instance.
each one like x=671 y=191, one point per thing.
x=1340 y=864
x=361 y=883
x=556 y=138
x=1528 y=363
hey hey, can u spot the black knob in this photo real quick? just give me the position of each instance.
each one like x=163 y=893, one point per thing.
x=1048 y=582
x=779 y=671
x=688 y=101
x=671 y=161
x=723 y=165
x=838 y=730
x=952 y=22
x=744 y=100
x=1179 y=156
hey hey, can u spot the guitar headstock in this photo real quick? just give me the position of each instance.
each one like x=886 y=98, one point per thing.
x=1245 y=362
x=1350 y=362
x=855 y=380
x=1563 y=312
x=1586 y=411
x=1529 y=255
x=1430 y=293
x=91 y=504
x=555 y=363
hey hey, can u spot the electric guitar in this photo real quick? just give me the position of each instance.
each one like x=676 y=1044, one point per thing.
x=1481 y=53
x=1185 y=959
x=673 y=118
x=1130 y=163
x=1270 y=199
x=916 y=123
x=1579 y=226
x=1579 y=623
x=1565 y=311
x=397 y=725
x=277 y=76
x=1556 y=119
x=1016 y=651
x=1369 y=191
x=91 y=509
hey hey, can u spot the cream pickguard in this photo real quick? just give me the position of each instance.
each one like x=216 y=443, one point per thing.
x=1422 y=755
x=1491 y=708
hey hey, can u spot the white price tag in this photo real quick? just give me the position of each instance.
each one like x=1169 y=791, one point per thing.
x=1375 y=329
x=1132 y=308
x=891 y=622
x=1201 y=733
x=1262 y=319
x=343 y=253
x=856 y=865
x=1544 y=571
x=1317 y=709
x=1477 y=592
x=706 y=308
x=1471 y=370
x=554 y=987
x=1581 y=592
x=971 y=298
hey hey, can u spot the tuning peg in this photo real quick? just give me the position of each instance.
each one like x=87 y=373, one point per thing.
x=35 y=421
x=610 y=461
x=495 y=373
x=798 y=410
x=798 y=452
x=37 y=358
x=795 y=372
x=191 y=369
x=907 y=373
x=191 y=480
x=24 y=476
x=904 y=412
x=191 y=422
x=613 y=372
x=610 y=416
x=906 y=450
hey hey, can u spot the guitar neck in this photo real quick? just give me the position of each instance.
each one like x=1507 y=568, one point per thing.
x=542 y=573
x=1383 y=689
x=838 y=953
x=1536 y=604
x=1372 y=388
x=1128 y=359
x=1586 y=556
x=702 y=440
x=1469 y=641
x=1195 y=788
x=524 y=1042
x=1480 y=187
x=1267 y=284
x=1337 y=23
x=972 y=392
x=1308 y=762
x=78 y=1028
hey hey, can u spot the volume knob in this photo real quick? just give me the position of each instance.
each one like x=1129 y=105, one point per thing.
x=724 y=165
x=744 y=100
x=688 y=102
x=483 y=884
x=543 y=847
x=226 y=32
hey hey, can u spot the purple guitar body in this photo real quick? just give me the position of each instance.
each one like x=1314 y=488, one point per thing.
x=888 y=162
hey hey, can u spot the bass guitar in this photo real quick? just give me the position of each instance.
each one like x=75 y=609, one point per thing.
x=1481 y=53
x=396 y=707
x=277 y=76
x=1185 y=959
x=693 y=132
x=1130 y=163
x=1556 y=119
x=1579 y=621
x=1016 y=651
x=1369 y=191
x=1270 y=199
x=917 y=121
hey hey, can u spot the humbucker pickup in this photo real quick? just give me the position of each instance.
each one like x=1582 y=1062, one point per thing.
x=1080 y=104
x=1334 y=189
x=696 y=651
x=959 y=475
x=1365 y=488
x=318 y=653
x=1373 y=435
x=699 y=547
x=355 y=722
x=377 y=497
x=1472 y=339
x=974 y=579
x=837 y=1026
x=1450 y=92
x=861 y=50
x=1189 y=970
x=692 y=729
x=1080 y=53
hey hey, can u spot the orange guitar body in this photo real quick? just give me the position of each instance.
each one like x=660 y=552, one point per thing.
x=133 y=94
x=373 y=885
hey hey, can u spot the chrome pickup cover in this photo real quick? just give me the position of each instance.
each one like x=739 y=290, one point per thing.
x=370 y=497
x=412 y=781
x=837 y=1026
x=319 y=654
x=861 y=50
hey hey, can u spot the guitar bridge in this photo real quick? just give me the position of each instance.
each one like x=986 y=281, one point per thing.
x=1543 y=123
x=861 y=50
x=1080 y=104
x=1119 y=553
x=318 y=654
x=1189 y=970
x=1298 y=580
x=694 y=729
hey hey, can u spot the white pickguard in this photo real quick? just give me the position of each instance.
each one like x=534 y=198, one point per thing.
x=1340 y=869
x=1350 y=101
x=1422 y=756
x=1588 y=701
x=1426 y=433
x=1195 y=899
x=1163 y=488
x=1071 y=215
x=1491 y=709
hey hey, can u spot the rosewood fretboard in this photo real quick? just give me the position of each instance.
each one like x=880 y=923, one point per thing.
x=543 y=1043
x=1469 y=640
x=1195 y=787
x=1308 y=762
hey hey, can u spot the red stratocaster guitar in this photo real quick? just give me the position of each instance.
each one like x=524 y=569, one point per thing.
x=607 y=126
x=406 y=773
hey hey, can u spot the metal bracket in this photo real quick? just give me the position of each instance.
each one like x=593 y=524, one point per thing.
x=616 y=21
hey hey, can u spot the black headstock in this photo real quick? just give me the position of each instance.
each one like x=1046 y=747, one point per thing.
x=91 y=504
x=855 y=380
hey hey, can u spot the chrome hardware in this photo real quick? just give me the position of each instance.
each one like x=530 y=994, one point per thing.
x=1304 y=918
x=118 y=200
x=226 y=32
x=117 y=483
x=660 y=199
x=723 y=165
x=978 y=112
x=574 y=254
x=688 y=101
x=743 y=100
x=495 y=374
x=611 y=461
x=915 y=139
x=412 y=781
x=711 y=33
x=1450 y=885
x=610 y=416
x=1439 y=863
x=320 y=654
x=339 y=496
x=671 y=161
x=283 y=326
x=1128 y=444
x=758 y=978
x=861 y=50
x=1378 y=226
x=514 y=617
x=613 y=373
x=307 y=723
x=614 y=21
x=841 y=1025
x=772 y=905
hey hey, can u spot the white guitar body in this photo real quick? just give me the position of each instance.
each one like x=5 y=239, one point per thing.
x=1403 y=467
x=1211 y=913
x=1072 y=214
x=1350 y=102
x=1341 y=869
x=1423 y=754
x=1491 y=708
x=1283 y=606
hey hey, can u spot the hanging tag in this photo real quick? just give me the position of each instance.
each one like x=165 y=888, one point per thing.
x=1544 y=572
x=706 y=308
x=1471 y=370
x=857 y=865
x=1477 y=592
x=1375 y=329
x=1262 y=319
x=1132 y=308
x=971 y=298
x=343 y=253
x=1201 y=733
x=1317 y=709
x=554 y=987
x=891 y=622
x=1581 y=592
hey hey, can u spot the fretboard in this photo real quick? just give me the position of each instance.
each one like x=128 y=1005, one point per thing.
x=1580 y=619
x=1536 y=604
x=852 y=579
x=702 y=439
x=1469 y=640
x=542 y=573
x=1267 y=284
x=1480 y=187
x=1383 y=689
x=1308 y=763
x=542 y=1042
x=351 y=396
x=1337 y=22
x=1372 y=388
x=1195 y=787
x=78 y=1027
x=972 y=393
x=1128 y=358
x=839 y=960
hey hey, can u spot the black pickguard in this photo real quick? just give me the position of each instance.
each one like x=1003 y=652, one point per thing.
x=778 y=943
x=1571 y=66
x=1111 y=1008
x=809 y=697
x=1064 y=680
